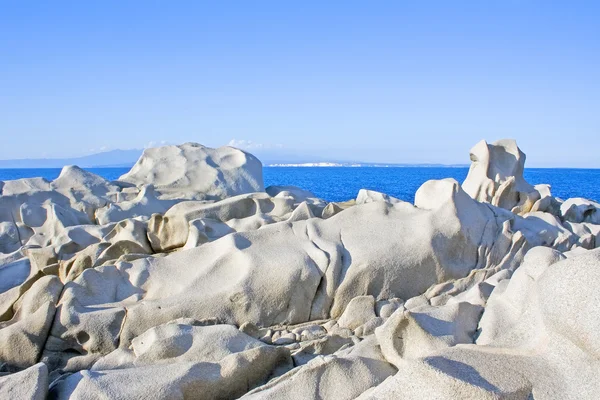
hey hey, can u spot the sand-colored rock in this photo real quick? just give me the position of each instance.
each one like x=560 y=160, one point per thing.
x=228 y=378
x=420 y=332
x=24 y=335
x=186 y=279
x=241 y=213
x=306 y=258
x=358 y=312
x=496 y=177
x=333 y=377
x=144 y=204
x=541 y=352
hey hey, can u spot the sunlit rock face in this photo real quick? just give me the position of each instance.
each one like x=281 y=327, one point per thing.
x=496 y=177
x=195 y=171
x=187 y=279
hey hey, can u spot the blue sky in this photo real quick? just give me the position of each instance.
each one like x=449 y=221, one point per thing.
x=397 y=81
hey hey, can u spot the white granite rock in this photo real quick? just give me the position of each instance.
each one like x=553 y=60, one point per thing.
x=358 y=312
x=29 y=384
x=193 y=171
x=580 y=210
x=496 y=176
x=367 y=196
x=136 y=288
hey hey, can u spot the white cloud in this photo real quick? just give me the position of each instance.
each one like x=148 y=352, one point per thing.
x=244 y=144
x=250 y=145
x=100 y=149
x=156 y=143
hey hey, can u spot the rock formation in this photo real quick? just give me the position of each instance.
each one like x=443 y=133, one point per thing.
x=186 y=278
x=496 y=177
x=197 y=172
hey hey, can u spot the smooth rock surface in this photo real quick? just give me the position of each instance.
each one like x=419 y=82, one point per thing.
x=496 y=176
x=186 y=279
x=197 y=172
x=29 y=384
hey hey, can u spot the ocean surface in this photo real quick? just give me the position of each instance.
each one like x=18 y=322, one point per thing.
x=343 y=183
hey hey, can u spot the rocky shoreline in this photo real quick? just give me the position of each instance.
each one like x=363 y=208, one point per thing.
x=186 y=278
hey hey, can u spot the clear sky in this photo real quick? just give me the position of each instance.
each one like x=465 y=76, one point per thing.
x=397 y=81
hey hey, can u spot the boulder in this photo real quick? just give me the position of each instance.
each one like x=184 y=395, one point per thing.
x=367 y=196
x=496 y=177
x=29 y=384
x=241 y=213
x=24 y=335
x=540 y=330
x=580 y=210
x=358 y=312
x=230 y=377
x=193 y=171
x=319 y=266
x=136 y=288
x=331 y=377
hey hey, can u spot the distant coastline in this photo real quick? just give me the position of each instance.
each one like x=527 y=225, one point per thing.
x=365 y=165
x=126 y=159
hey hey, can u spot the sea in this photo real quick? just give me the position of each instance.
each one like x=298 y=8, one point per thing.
x=343 y=183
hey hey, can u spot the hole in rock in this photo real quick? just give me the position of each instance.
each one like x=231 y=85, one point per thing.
x=82 y=337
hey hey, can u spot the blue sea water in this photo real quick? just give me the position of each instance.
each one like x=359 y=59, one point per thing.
x=343 y=183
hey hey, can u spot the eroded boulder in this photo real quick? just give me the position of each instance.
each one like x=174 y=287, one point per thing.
x=496 y=177
x=193 y=171
x=30 y=384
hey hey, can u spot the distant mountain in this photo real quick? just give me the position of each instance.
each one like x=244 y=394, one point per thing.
x=113 y=158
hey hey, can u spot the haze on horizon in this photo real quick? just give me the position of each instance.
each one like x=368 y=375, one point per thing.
x=390 y=82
